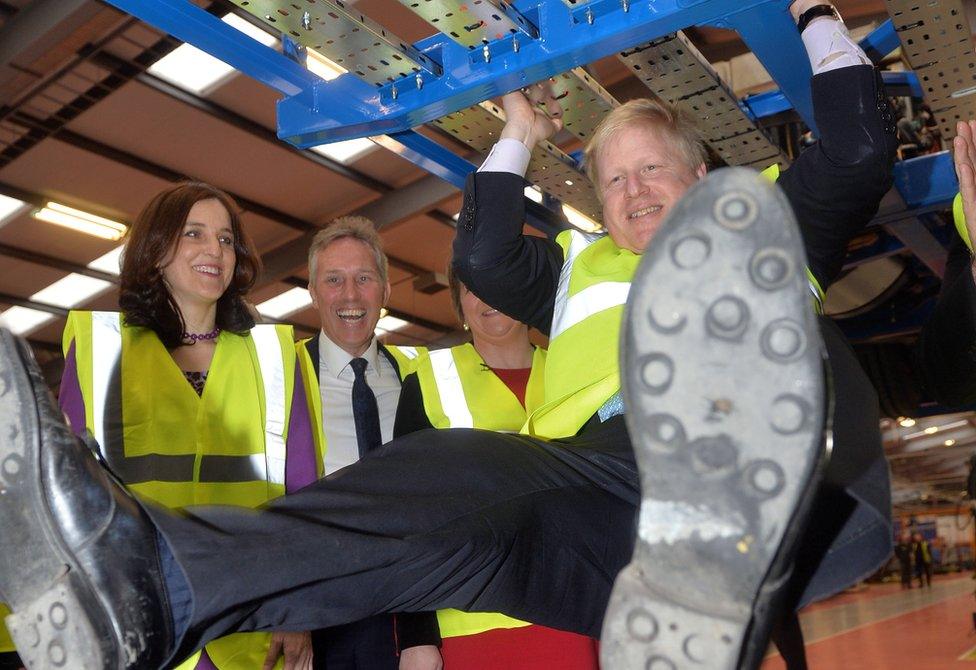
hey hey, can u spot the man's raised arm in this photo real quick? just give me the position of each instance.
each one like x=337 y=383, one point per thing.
x=514 y=273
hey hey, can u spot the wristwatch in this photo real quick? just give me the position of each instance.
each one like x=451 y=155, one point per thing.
x=815 y=12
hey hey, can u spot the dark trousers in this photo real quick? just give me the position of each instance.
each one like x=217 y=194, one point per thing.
x=369 y=644
x=489 y=522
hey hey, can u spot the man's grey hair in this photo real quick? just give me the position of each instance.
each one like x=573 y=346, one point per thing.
x=356 y=227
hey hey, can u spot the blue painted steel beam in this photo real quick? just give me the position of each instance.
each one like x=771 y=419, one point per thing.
x=774 y=102
x=348 y=107
x=927 y=181
x=880 y=42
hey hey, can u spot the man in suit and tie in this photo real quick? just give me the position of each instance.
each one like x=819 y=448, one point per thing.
x=358 y=382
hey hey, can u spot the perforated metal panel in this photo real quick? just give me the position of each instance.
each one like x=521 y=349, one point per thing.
x=935 y=38
x=677 y=72
x=471 y=23
x=585 y=102
x=550 y=168
x=347 y=38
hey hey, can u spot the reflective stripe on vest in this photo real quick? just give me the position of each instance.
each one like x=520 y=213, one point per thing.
x=107 y=419
x=568 y=311
x=449 y=388
x=273 y=376
x=106 y=354
x=409 y=352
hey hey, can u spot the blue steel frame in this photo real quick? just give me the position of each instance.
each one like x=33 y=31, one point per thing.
x=314 y=111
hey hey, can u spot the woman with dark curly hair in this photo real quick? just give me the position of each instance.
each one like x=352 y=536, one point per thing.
x=191 y=402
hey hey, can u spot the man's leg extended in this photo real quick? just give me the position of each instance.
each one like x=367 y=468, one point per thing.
x=462 y=518
x=465 y=519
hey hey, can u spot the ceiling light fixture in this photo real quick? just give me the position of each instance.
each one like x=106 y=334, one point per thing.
x=71 y=291
x=931 y=430
x=109 y=263
x=580 y=220
x=533 y=193
x=346 y=151
x=83 y=222
x=322 y=66
x=949 y=442
x=906 y=422
x=289 y=302
x=389 y=324
x=23 y=320
x=199 y=72
x=9 y=208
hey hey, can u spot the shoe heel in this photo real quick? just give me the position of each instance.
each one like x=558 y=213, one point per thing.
x=661 y=624
x=50 y=632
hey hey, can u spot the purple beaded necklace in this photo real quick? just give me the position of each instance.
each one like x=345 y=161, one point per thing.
x=193 y=338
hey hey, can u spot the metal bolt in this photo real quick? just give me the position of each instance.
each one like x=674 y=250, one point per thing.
x=486 y=53
x=626 y=5
x=394 y=92
x=420 y=82
x=589 y=16
x=515 y=45
x=306 y=21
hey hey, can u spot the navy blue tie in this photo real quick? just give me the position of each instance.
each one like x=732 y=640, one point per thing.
x=364 y=410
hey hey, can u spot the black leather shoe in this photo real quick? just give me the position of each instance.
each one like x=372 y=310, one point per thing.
x=79 y=564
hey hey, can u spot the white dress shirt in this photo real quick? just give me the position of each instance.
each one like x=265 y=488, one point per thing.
x=335 y=385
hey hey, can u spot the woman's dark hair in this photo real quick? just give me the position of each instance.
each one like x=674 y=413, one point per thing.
x=143 y=296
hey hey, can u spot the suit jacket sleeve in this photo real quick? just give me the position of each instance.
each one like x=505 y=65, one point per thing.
x=514 y=273
x=835 y=186
x=410 y=415
x=417 y=629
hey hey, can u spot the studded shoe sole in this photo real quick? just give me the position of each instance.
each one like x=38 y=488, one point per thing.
x=40 y=578
x=725 y=394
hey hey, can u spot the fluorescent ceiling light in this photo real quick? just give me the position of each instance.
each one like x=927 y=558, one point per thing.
x=581 y=221
x=389 y=324
x=23 y=320
x=71 y=291
x=906 y=423
x=347 y=151
x=322 y=66
x=199 y=72
x=949 y=442
x=533 y=193
x=931 y=430
x=108 y=263
x=251 y=30
x=287 y=303
x=9 y=208
x=83 y=222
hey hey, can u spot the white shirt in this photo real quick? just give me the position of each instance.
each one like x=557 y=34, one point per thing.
x=335 y=385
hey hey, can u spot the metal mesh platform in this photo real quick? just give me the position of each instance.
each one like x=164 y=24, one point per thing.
x=674 y=70
x=935 y=38
x=550 y=168
x=347 y=38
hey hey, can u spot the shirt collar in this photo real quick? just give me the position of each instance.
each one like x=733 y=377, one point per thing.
x=335 y=359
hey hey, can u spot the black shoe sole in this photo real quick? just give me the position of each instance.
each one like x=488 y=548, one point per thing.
x=722 y=374
x=54 y=623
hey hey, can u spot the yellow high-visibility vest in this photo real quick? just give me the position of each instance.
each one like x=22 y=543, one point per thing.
x=461 y=392
x=593 y=287
x=176 y=448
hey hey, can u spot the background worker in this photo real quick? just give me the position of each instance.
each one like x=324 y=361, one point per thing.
x=353 y=384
